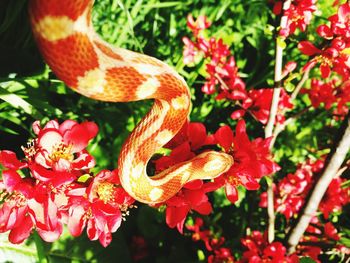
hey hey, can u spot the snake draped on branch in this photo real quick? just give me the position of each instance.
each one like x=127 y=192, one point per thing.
x=94 y=68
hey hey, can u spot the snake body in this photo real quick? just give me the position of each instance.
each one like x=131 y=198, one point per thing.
x=78 y=56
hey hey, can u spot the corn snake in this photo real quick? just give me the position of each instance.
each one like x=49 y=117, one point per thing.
x=92 y=67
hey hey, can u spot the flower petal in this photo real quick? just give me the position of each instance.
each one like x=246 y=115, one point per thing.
x=224 y=136
x=307 y=48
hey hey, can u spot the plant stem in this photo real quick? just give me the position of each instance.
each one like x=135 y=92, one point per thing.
x=300 y=85
x=334 y=161
x=39 y=248
x=272 y=117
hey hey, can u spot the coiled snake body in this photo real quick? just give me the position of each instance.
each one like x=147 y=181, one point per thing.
x=94 y=68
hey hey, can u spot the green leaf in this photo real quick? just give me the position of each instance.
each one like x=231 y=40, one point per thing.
x=15 y=100
x=307 y=260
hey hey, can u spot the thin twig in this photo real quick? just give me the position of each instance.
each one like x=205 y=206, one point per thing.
x=272 y=118
x=300 y=84
x=333 y=164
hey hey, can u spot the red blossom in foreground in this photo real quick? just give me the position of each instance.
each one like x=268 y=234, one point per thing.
x=252 y=159
x=101 y=210
x=62 y=147
x=52 y=194
x=15 y=213
x=188 y=141
x=191 y=197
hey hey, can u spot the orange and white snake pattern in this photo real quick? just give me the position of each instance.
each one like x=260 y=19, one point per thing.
x=96 y=69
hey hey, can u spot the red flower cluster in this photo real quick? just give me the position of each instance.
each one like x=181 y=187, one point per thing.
x=52 y=186
x=318 y=236
x=332 y=93
x=290 y=194
x=212 y=243
x=258 y=104
x=291 y=191
x=259 y=250
x=298 y=15
x=223 y=76
x=335 y=54
x=221 y=66
x=252 y=160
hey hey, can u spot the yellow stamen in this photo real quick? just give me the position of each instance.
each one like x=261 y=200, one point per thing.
x=61 y=151
x=105 y=191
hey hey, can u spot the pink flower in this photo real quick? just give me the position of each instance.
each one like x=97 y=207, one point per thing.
x=200 y=24
x=340 y=22
x=15 y=213
x=298 y=15
x=62 y=147
x=101 y=210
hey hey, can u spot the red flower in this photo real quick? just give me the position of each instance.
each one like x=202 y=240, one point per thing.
x=332 y=57
x=212 y=243
x=258 y=103
x=331 y=232
x=191 y=197
x=29 y=204
x=52 y=195
x=199 y=234
x=185 y=145
x=259 y=250
x=291 y=191
x=15 y=213
x=200 y=24
x=252 y=159
x=298 y=15
x=190 y=51
x=221 y=255
x=333 y=93
x=101 y=211
x=335 y=198
x=221 y=67
x=341 y=21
